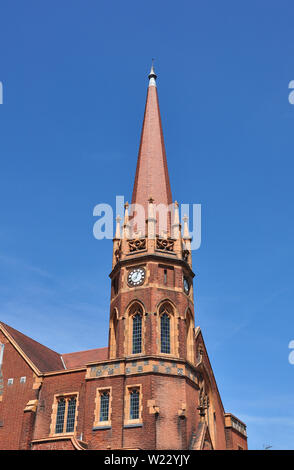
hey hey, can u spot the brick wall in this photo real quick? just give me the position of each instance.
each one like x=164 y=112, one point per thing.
x=235 y=440
x=73 y=382
x=14 y=397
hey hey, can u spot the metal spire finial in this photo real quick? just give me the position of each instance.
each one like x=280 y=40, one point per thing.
x=152 y=75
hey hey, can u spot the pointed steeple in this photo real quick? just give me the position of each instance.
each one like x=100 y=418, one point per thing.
x=152 y=177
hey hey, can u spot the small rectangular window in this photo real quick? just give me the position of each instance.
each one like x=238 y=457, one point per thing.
x=23 y=380
x=134 y=404
x=104 y=406
x=10 y=382
x=102 y=414
x=165 y=276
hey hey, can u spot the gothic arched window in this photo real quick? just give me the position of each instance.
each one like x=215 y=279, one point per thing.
x=165 y=333
x=135 y=329
x=137 y=333
x=167 y=329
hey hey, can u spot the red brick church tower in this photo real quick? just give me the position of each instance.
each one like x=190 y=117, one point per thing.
x=153 y=387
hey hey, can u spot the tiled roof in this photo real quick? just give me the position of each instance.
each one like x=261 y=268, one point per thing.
x=43 y=358
x=47 y=360
x=81 y=358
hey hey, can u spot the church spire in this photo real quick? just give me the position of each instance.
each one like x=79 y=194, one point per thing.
x=152 y=179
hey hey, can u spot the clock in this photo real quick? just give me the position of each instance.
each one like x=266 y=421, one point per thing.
x=136 y=277
x=186 y=285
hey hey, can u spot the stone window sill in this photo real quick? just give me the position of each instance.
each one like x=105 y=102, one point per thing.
x=134 y=425
x=98 y=428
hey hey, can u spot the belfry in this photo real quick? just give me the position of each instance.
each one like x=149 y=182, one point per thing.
x=153 y=386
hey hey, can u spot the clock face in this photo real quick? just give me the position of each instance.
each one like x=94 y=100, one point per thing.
x=136 y=277
x=186 y=285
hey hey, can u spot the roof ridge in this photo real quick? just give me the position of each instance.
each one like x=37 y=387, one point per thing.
x=84 y=350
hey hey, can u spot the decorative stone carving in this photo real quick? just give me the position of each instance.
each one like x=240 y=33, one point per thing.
x=164 y=244
x=137 y=245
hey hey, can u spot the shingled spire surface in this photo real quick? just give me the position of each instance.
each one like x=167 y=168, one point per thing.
x=152 y=179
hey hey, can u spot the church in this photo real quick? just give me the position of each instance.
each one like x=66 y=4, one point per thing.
x=153 y=386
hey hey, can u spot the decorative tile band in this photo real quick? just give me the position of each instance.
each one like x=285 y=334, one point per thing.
x=142 y=366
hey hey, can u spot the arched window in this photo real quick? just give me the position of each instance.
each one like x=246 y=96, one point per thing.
x=135 y=329
x=137 y=333
x=165 y=333
x=167 y=329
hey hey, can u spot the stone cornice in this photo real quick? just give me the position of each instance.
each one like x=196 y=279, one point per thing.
x=148 y=257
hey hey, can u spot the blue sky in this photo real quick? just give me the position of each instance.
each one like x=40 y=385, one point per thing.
x=74 y=78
